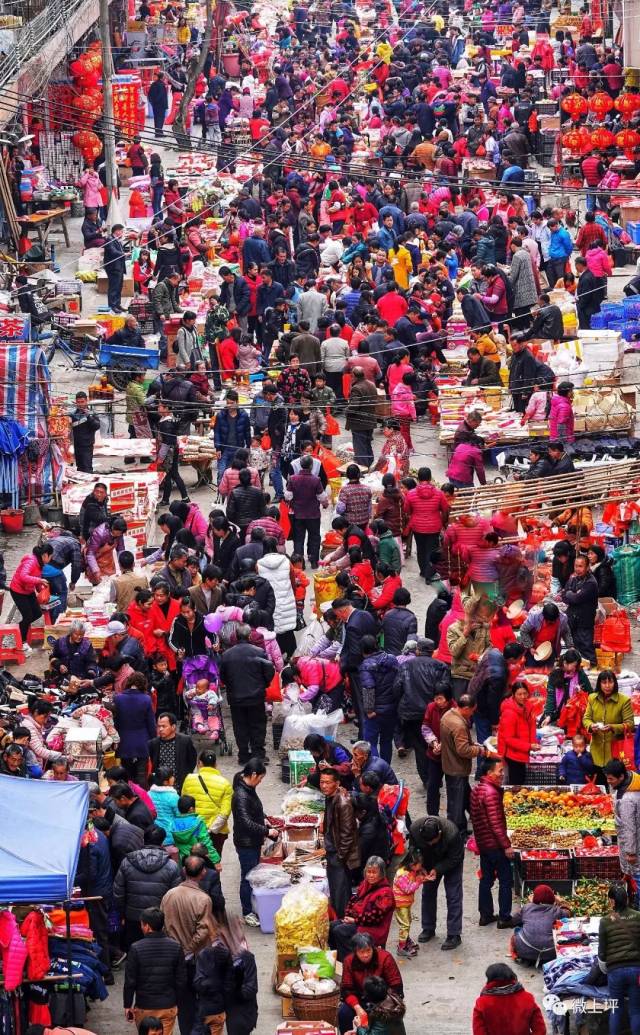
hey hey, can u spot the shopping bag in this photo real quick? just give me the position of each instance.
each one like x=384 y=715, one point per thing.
x=285 y=521
x=616 y=633
x=331 y=425
x=623 y=747
x=274 y=690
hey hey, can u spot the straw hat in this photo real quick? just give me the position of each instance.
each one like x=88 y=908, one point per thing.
x=543 y=651
x=515 y=609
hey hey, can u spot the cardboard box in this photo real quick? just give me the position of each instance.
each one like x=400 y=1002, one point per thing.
x=103 y=282
x=305 y=1028
x=304 y=834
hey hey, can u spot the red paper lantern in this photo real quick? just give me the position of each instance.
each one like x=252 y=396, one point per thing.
x=600 y=103
x=627 y=103
x=602 y=138
x=627 y=139
x=575 y=141
x=76 y=68
x=575 y=105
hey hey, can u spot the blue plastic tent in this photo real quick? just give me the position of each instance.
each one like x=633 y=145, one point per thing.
x=41 y=823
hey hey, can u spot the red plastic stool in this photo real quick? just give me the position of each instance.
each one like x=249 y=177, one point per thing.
x=11 y=644
x=37 y=633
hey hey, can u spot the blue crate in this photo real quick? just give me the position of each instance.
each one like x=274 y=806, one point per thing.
x=613 y=310
x=631 y=307
x=633 y=229
x=615 y=325
x=148 y=358
x=631 y=330
x=598 y=322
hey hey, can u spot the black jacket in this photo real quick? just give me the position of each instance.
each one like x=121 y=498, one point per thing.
x=606 y=579
x=242 y=995
x=373 y=831
x=67 y=550
x=138 y=814
x=84 y=426
x=92 y=514
x=142 y=880
x=436 y=611
x=264 y=600
x=249 y=825
x=224 y=550
x=114 y=258
x=155 y=973
x=158 y=96
x=186 y=756
x=475 y=313
x=446 y=854
x=124 y=838
x=398 y=625
x=245 y=504
x=547 y=323
x=239 y=292
x=192 y=642
x=246 y=672
x=417 y=682
x=581 y=594
x=359 y=624
x=307 y=259
x=522 y=372
x=212 y=967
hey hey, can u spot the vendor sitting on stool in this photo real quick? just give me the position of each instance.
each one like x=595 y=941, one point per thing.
x=129 y=335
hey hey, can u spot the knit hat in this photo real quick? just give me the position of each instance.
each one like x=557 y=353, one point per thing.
x=543 y=895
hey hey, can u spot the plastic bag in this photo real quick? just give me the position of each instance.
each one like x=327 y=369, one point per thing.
x=303 y=919
x=313 y=634
x=301 y=800
x=317 y=963
x=267 y=875
x=297 y=727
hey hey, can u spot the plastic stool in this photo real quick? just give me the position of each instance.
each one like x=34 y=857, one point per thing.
x=37 y=633
x=11 y=651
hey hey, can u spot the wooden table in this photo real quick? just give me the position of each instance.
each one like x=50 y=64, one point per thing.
x=44 y=223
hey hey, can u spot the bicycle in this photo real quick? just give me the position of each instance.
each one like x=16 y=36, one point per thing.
x=81 y=350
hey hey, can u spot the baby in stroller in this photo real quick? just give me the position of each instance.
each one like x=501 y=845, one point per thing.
x=204 y=709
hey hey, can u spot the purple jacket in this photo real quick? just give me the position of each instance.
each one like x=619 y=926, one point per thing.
x=135 y=722
x=305 y=493
x=101 y=536
x=466 y=459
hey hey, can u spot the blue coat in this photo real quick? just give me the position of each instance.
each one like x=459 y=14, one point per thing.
x=256 y=249
x=378 y=675
x=135 y=722
x=221 y=430
x=576 y=768
x=100 y=872
x=381 y=769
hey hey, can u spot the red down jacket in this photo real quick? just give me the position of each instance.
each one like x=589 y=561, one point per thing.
x=487 y=816
x=516 y=730
x=371 y=906
x=427 y=508
x=502 y=1008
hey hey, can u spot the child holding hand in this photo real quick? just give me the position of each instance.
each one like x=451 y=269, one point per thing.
x=300 y=589
x=410 y=876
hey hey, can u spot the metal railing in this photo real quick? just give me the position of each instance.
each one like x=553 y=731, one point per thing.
x=31 y=38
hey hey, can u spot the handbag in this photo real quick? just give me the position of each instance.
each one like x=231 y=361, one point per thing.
x=623 y=746
x=274 y=690
x=43 y=596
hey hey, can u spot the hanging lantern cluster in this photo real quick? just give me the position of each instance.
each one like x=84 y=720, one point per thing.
x=86 y=72
x=627 y=104
x=575 y=105
x=628 y=140
x=602 y=138
x=600 y=104
x=578 y=140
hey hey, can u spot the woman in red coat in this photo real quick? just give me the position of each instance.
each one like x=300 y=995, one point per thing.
x=517 y=731
x=161 y=615
x=139 y=620
x=504 y=1006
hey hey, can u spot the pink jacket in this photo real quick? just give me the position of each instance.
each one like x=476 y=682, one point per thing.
x=90 y=183
x=403 y=402
x=561 y=419
x=598 y=262
x=196 y=521
x=27 y=578
x=466 y=459
x=36 y=741
x=395 y=372
x=427 y=508
x=13 y=950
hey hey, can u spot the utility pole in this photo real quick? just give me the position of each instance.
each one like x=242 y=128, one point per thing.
x=111 y=170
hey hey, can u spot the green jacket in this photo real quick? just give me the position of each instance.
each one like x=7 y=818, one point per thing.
x=619 y=939
x=388 y=551
x=616 y=711
x=136 y=398
x=190 y=830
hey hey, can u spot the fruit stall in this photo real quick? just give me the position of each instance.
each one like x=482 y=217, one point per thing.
x=562 y=836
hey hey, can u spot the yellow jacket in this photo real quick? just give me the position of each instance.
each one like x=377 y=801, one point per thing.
x=213 y=800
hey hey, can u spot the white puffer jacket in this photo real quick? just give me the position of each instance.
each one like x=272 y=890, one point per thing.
x=276 y=569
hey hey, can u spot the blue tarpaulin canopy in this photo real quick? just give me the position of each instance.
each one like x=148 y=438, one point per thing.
x=41 y=823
